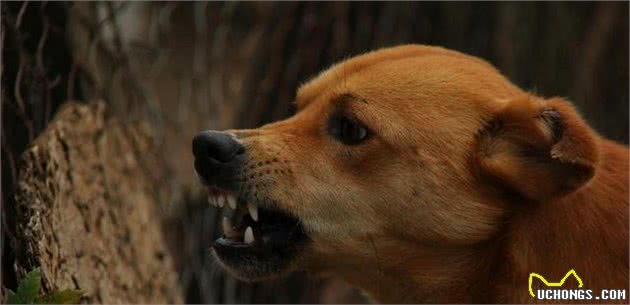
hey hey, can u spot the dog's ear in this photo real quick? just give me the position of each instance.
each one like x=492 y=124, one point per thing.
x=539 y=148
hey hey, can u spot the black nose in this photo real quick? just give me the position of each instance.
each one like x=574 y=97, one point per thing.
x=216 y=145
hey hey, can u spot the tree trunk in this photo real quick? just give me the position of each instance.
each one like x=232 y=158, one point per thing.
x=86 y=210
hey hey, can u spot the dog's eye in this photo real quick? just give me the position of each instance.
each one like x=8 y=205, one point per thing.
x=348 y=131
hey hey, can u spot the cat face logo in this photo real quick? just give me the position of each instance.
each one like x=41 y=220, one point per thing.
x=552 y=284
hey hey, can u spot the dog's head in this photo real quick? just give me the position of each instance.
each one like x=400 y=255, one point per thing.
x=405 y=147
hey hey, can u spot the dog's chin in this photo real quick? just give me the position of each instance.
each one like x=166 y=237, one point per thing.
x=259 y=240
x=274 y=254
x=254 y=265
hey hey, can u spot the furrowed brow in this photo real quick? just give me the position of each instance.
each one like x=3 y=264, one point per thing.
x=343 y=99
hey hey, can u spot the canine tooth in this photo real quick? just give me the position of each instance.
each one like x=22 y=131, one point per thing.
x=249 y=235
x=211 y=201
x=221 y=200
x=231 y=202
x=253 y=210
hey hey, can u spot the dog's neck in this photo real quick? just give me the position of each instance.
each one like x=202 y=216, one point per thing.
x=406 y=272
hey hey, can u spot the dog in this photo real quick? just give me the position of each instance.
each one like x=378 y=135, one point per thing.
x=422 y=175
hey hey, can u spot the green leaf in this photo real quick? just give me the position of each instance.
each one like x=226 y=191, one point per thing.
x=67 y=296
x=28 y=289
x=28 y=292
x=13 y=298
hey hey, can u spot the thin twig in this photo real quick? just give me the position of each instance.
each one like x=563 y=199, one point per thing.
x=18 y=20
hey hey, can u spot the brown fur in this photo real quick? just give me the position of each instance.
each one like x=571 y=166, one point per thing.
x=467 y=186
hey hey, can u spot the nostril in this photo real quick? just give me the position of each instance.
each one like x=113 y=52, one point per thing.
x=216 y=145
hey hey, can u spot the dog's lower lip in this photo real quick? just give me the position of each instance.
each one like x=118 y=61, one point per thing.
x=232 y=243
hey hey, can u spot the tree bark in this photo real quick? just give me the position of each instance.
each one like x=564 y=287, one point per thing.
x=86 y=211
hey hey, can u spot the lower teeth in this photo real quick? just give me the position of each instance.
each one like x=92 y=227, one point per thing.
x=230 y=233
x=249 y=236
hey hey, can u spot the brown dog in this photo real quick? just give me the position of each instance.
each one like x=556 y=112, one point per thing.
x=421 y=174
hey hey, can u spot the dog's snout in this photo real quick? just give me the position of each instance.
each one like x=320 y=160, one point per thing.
x=216 y=145
x=218 y=158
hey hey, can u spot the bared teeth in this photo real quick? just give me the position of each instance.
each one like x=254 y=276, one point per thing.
x=220 y=200
x=253 y=210
x=231 y=202
x=249 y=236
